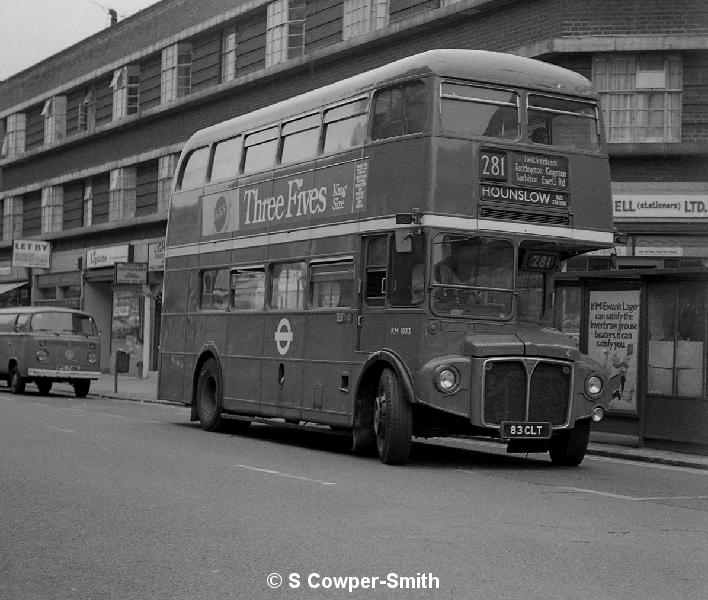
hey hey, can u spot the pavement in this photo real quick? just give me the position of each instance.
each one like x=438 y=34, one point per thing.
x=624 y=447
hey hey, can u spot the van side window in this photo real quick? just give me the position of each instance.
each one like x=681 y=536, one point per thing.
x=260 y=149
x=194 y=169
x=23 y=322
x=345 y=126
x=400 y=110
x=7 y=321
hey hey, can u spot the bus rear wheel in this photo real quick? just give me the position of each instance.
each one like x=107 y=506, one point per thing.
x=393 y=420
x=567 y=449
x=209 y=396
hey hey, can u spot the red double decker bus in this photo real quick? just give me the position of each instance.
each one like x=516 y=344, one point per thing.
x=377 y=256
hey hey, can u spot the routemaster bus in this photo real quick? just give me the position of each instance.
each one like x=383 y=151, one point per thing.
x=377 y=256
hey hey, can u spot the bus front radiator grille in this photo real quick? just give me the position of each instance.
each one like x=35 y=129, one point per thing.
x=504 y=392
x=509 y=394
x=549 y=393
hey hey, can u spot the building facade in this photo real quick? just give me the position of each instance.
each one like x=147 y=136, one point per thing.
x=90 y=136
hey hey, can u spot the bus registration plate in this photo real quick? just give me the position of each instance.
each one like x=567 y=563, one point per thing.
x=516 y=429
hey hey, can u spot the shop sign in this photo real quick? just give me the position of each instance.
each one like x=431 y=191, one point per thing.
x=31 y=254
x=156 y=256
x=130 y=273
x=107 y=257
x=660 y=206
x=613 y=341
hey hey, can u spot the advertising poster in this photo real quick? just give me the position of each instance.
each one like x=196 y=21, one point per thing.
x=613 y=340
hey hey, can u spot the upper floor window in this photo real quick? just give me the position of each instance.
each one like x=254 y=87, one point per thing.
x=260 y=149
x=13 y=142
x=88 y=203
x=165 y=172
x=227 y=156
x=562 y=122
x=122 y=194
x=176 y=78
x=52 y=208
x=285 y=30
x=363 y=16
x=12 y=211
x=228 y=53
x=301 y=139
x=126 y=91
x=194 y=169
x=640 y=96
x=87 y=111
x=400 y=110
x=54 y=113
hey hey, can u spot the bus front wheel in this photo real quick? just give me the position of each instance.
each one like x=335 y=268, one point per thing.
x=567 y=449
x=209 y=396
x=17 y=383
x=393 y=420
x=81 y=387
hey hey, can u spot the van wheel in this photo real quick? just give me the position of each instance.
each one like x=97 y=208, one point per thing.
x=209 y=396
x=17 y=384
x=567 y=449
x=44 y=385
x=81 y=387
x=393 y=420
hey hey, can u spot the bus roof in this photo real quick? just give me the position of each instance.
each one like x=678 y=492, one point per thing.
x=476 y=65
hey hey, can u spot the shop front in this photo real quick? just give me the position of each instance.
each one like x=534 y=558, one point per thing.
x=649 y=328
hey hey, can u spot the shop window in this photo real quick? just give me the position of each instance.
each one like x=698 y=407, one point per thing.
x=176 y=77
x=52 y=208
x=640 y=96
x=677 y=339
x=331 y=284
x=285 y=30
x=248 y=288
x=126 y=91
x=228 y=53
x=214 y=289
x=345 y=126
x=363 y=16
x=287 y=286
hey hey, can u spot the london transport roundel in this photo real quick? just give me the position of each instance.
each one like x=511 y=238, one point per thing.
x=283 y=336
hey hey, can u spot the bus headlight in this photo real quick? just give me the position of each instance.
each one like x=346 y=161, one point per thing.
x=593 y=386
x=447 y=380
x=92 y=358
x=41 y=355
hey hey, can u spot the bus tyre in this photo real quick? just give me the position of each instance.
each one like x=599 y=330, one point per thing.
x=209 y=396
x=393 y=420
x=44 y=385
x=567 y=449
x=17 y=384
x=81 y=387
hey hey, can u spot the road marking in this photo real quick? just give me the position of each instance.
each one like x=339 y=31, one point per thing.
x=651 y=465
x=59 y=429
x=280 y=474
x=632 y=498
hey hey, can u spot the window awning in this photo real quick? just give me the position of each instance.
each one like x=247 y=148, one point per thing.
x=8 y=287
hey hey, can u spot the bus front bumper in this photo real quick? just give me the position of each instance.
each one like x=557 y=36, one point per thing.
x=62 y=374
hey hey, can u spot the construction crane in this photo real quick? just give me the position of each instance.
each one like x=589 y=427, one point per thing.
x=112 y=13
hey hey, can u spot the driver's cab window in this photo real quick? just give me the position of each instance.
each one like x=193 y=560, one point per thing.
x=407 y=277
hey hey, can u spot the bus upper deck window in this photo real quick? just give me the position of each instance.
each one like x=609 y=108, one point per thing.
x=400 y=110
x=481 y=111
x=194 y=169
x=227 y=155
x=345 y=126
x=301 y=139
x=260 y=149
x=562 y=122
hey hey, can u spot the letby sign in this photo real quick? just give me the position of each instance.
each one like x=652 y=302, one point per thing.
x=31 y=254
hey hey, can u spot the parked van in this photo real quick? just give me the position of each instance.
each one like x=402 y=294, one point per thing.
x=48 y=344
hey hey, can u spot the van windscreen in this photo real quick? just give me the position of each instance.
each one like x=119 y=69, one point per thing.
x=60 y=322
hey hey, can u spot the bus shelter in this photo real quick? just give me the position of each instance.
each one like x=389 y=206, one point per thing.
x=649 y=328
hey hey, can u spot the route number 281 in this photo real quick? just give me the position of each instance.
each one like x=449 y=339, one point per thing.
x=493 y=165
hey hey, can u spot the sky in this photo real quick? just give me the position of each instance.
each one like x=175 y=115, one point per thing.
x=32 y=30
